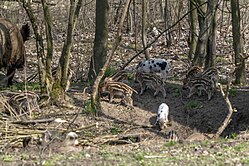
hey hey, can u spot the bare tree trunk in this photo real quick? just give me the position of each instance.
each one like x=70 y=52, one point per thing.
x=180 y=7
x=167 y=22
x=204 y=20
x=240 y=75
x=95 y=103
x=135 y=25
x=193 y=30
x=211 y=45
x=61 y=80
x=131 y=21
x=49 y=40
x=100 y=41
x=144 y=27
x=162 y=9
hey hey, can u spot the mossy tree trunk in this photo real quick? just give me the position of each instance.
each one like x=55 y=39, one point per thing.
x=63 y=66
x=49 y=40
x=240 y=75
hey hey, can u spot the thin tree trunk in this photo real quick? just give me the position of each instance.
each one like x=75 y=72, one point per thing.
x=162 y=8
x=144 y=27
x=193 y=30
x=204 y=20
x=240 y=75
x=180 y=7
x=167 y=22
x=135 y=25
x=131 y=21
x=49 y=40
x=211 y=45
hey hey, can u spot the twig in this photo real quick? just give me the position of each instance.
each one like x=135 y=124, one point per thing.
x=86 y=127
x=151 y=157
x=70 y=124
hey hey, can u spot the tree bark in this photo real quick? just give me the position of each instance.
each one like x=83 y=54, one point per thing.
x=204 y=21
x=167 y=24
x=144 y=27
x=49 y=40
x=240 y=75
x=100 y=41
x=211 y=44
x=193 y=30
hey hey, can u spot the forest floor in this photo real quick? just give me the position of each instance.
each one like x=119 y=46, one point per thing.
x=124 y=136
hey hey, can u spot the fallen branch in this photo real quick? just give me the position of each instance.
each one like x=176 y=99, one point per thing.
x=86 y=127
x=117 y=139
x=228 y=104
x=28 y=122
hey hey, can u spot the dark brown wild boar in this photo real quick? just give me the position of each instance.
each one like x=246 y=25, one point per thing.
x=12 y=50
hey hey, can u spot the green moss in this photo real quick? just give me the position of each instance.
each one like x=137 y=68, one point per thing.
x=89 y=108
x=233 y=135
x=245 y=161
x=169 y=144
x=193 y=105
x=221 y=59
x=57 y=91
x=116 y=130
x=130 y=76
x=30 y=86
x=233 y=92
x=8 y=158
x=241 y=147
x=110 y=71
x=139 y=156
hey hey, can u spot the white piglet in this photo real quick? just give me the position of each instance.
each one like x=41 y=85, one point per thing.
x=162 y=116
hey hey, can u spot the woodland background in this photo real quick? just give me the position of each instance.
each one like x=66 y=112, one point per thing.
x=64 y=35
